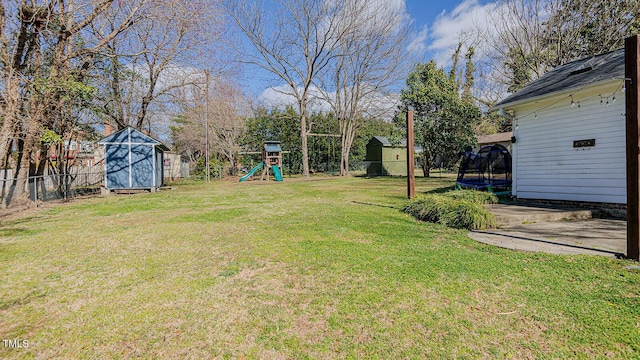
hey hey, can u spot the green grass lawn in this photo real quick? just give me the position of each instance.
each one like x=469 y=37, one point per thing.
x=324 y=268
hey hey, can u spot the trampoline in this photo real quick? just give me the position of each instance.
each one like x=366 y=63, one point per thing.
x=488 y=169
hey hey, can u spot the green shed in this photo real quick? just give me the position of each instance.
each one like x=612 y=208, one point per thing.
x=385 y=158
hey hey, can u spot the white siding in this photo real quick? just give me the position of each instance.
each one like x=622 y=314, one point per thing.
x=549 y=167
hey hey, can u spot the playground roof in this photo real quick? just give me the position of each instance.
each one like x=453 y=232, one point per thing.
x=272 y=146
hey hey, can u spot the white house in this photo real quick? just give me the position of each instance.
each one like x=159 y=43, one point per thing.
x=569 y=131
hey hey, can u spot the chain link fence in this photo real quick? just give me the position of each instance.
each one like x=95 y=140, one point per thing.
x=44 y=188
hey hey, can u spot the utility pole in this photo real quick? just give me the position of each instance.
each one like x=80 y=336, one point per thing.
x=206 y=124
x=411 y=179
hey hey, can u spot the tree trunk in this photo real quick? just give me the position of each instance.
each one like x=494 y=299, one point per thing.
x=426 y=167
x=10 y=125
x=346 y=140
x=305 y=145
x=344 y=162
x=25 y=168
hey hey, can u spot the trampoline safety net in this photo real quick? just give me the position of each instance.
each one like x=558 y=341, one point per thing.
x=489 y=168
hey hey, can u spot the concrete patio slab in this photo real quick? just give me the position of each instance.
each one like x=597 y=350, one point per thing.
x=547 y=229
x=511 y=214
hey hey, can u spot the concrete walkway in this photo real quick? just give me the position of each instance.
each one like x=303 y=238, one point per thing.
x=554 y=230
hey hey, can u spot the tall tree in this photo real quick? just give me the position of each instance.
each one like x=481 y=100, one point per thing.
x=580 y=28
x=294 y=40
x=443 y=120
x=143 y=71
x=371 y=60
x=469 y=75
x=220 y=114
x=527 y=38
x=515 y=42
x=44 y=60
x=226 y=123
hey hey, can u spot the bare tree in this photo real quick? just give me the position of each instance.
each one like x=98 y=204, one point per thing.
x=527 y=38
x=294 y=42
x=226 y=123
x=514 y=42
x=143 y=70
x=576 y=29
x=221 y=113
x=44 y=59
x=371 y=59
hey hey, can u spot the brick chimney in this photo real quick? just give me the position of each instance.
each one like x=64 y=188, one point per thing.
x=108 y=129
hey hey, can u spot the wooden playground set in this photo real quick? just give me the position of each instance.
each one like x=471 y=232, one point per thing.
x=271 y=160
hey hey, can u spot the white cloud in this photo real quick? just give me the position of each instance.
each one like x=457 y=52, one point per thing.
x=277 y=97
x=281 y=96
x=469 y=19
x=417 y=44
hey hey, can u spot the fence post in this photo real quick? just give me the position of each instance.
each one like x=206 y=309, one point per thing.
x=64 y=183
x=35 y=190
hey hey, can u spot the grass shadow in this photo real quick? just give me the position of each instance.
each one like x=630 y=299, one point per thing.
x=371 y=204
x=440 y=190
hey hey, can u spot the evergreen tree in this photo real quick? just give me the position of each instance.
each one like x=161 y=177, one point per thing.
x=443 y=120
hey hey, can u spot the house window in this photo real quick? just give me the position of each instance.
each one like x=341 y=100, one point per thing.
x=70 y=145
x=86 y=146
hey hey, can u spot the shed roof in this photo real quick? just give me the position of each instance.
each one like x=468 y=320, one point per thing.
x=401 y=143
x=131 y=135
x=495 y=138
x=576 y=74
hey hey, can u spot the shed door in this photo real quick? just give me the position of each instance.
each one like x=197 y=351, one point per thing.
x=117 y=166
x=159 y=168
x=142 y=166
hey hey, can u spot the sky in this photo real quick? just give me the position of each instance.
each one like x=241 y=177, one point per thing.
x=438 y=24
x=436 y=28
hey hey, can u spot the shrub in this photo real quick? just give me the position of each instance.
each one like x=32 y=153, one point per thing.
x=457 y=209
x=474 y=196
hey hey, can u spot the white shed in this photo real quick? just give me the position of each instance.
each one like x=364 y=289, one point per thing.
x=569 y=130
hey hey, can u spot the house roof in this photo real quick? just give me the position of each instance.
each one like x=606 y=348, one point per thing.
x=131 y=135
x=576 y=74
x=495 y=138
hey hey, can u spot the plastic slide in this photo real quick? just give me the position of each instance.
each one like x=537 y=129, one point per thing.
x=251 y=172
x=276 y=172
